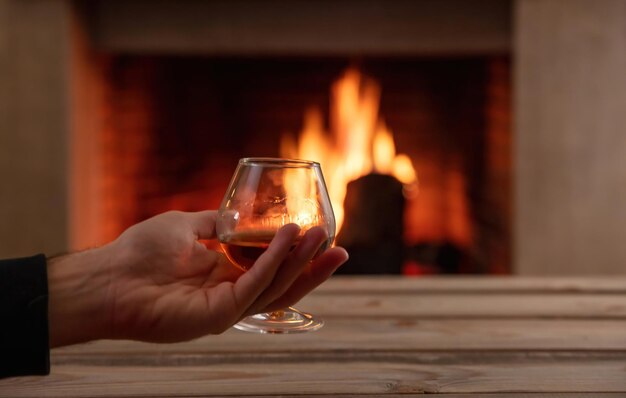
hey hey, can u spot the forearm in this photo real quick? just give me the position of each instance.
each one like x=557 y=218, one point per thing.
x=78 y=286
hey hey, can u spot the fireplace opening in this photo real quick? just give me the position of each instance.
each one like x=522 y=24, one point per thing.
x=174 y=127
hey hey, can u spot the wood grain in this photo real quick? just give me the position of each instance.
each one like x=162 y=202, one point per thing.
x=480 y=284
x=340 y=335
x=382 y=376
x=609 y=306
x=383 y=337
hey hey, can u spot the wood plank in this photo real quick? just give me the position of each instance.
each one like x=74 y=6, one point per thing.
x=345 y=335
x=300 y=27
x=409 y=375
x=438 y=357
x=465 y=395
x=481 y=284
x=563 y=306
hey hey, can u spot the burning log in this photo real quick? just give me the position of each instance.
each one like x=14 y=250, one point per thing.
x=373 y=226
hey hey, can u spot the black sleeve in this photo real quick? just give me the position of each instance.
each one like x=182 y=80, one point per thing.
x=24 y=347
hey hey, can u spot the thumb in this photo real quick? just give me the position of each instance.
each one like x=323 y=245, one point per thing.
x=202 y=223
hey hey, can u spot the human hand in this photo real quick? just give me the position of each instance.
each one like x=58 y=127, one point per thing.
x=158 y=283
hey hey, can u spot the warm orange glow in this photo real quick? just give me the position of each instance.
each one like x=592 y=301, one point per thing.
x=299 y=184
x=384 y=150
x=359 y=143
x=403 y=169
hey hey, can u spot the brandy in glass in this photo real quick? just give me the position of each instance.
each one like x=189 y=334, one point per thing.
x=264 y=195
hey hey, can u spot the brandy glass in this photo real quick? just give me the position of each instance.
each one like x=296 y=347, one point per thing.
x=264 y=195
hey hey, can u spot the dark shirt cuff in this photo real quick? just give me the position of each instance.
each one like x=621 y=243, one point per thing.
x=24 y=346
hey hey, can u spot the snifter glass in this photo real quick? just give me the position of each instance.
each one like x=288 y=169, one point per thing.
x=264 y=195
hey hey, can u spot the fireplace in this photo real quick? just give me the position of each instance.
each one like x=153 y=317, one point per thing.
x=174 y=127
x=164 y=102
x=173 y=124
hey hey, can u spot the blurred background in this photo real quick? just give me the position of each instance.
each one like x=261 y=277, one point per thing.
x=456 y=136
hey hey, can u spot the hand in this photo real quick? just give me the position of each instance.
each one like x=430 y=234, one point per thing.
x=158 y=283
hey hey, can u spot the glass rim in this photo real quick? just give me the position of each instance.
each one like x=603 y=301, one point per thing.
x=283 y=162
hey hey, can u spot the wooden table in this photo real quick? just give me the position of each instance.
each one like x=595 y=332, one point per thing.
x=462 y=336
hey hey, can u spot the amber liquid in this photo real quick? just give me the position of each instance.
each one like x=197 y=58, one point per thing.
x=243 y=249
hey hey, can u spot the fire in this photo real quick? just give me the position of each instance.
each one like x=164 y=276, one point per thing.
x=359 y=142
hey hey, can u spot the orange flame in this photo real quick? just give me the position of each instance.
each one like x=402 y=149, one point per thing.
x=360 y=142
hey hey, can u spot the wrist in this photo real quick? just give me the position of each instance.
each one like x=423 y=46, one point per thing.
x=78 y=289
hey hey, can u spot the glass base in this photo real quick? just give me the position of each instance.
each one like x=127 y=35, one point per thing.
x=284 y=321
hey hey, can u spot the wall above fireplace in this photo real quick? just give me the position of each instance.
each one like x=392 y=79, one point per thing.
x=301 y=27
